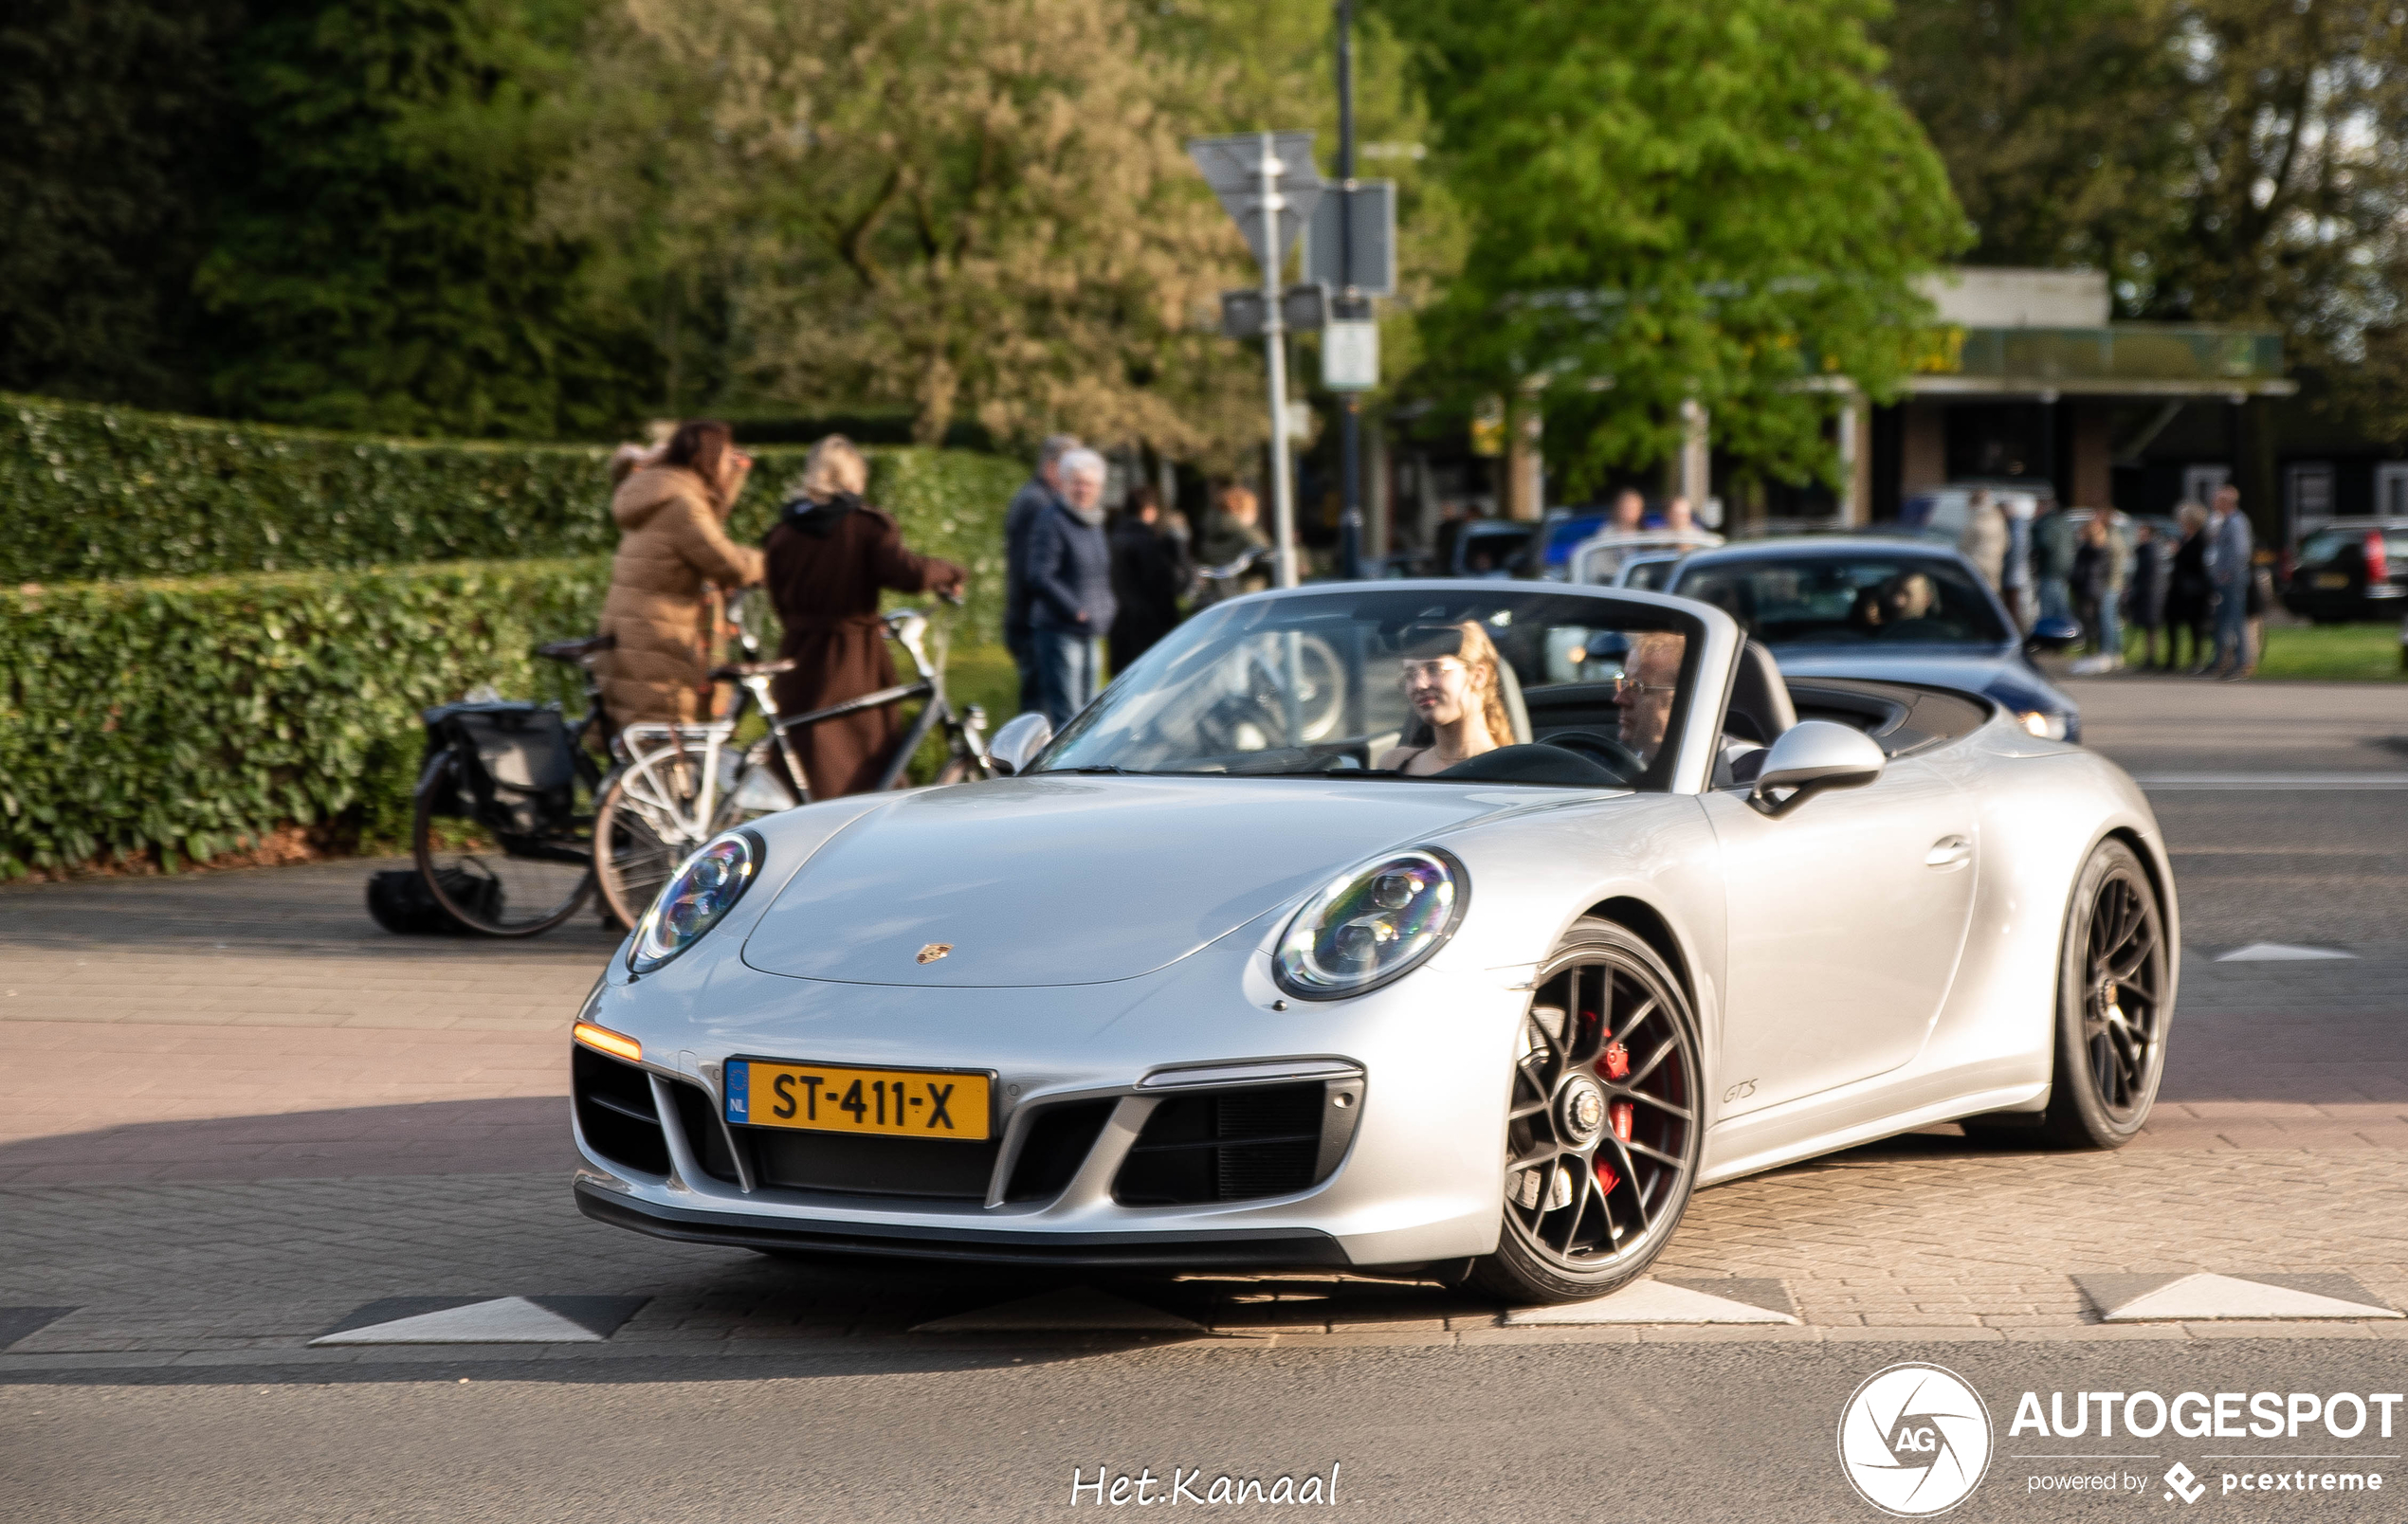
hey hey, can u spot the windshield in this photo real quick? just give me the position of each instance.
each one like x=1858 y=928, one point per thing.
x=2328 y=543
x=1840 y=600
x=1494 y=685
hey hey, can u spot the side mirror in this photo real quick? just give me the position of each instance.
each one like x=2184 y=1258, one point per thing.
x=2053 y=634
x=1811 y=757
x=1022 y=738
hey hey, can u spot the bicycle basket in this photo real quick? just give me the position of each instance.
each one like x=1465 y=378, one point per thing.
x=520 y=761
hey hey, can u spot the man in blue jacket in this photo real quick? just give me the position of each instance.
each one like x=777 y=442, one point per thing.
x=1040 y=492
x=1069 y=582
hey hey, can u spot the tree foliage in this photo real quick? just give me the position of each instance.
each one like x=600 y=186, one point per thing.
x=373 y=265
x=2223 y=160
x=109 y=110
x=1672 y=201
x=975 y=207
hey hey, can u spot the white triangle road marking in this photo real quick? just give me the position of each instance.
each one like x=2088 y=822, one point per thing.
x=2204 y=1298
x=502 y=1320
x=1648 y=1301
x=1070 y=1309
x=2281 y=952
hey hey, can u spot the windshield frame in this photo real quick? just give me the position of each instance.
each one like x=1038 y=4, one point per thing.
x=1710 y=643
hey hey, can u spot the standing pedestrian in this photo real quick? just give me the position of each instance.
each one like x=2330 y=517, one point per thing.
x=2228 y=570
x=1069 y=577
x=828 y=556
x=2014 y=576
x=1630 y=512
x=2190 y=598
x=671 y=509
x=1043 y=490
x=2053 y=547
x=1235 y=528
x=2144 y=595
x=1149 y=572
x=2086 y=585
x=1983 y=537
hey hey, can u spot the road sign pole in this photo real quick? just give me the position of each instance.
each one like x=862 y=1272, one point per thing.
x=1350 y=430
x=1275 y=357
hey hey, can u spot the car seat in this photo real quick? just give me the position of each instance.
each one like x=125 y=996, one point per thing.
x=1760 y=709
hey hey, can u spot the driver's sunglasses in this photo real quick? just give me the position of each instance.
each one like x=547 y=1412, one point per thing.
x=1627 y=689
x=1432 y=671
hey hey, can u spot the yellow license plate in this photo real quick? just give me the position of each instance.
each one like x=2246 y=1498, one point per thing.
x=2333 y=579
x=832 y=1098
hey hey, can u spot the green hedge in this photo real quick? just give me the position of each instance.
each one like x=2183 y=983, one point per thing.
x=181 y=718
x=90 y=493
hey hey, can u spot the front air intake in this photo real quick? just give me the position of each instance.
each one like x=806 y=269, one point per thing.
x=1230 y=1145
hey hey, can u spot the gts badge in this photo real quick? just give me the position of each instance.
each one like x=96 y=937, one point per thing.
x=1739 y=1092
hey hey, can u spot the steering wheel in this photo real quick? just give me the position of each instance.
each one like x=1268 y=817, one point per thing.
x=1617 y=758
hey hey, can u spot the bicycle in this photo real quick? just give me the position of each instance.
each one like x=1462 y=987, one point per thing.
x=501 y=820
x=683 y=784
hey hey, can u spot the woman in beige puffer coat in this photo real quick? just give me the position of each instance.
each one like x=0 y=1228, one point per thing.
x=672 y=512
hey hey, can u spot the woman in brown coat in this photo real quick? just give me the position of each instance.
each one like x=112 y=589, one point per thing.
x=670 y=512
x=828 y=556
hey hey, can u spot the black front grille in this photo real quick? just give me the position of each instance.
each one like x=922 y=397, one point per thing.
x=615 y=1112
x=1228 y=1145
x=938 y=1169
x=703 y=1133
x=1057 y=1143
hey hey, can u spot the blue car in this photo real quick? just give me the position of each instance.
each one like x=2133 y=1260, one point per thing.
x=1901 y=610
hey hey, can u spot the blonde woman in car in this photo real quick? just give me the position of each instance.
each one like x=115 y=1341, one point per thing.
x=1450 y=682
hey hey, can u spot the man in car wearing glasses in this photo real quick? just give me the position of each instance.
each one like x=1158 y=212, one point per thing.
x=1650 y=675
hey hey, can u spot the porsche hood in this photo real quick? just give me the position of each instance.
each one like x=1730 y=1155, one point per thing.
x=1060 y=879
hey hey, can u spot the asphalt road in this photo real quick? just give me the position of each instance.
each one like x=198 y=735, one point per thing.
x=1563 y=1432
x=1568 y=1430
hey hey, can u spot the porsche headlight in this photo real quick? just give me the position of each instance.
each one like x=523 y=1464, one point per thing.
x=696 y=898
x=1373 y=925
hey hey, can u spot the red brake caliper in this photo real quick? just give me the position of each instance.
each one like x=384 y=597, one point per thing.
x=1615 y=1064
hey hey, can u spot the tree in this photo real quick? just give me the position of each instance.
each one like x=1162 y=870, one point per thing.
x=375 y=266
x=1672 y=201
x=974 y=208
x=2223 y=160
x=110 y=111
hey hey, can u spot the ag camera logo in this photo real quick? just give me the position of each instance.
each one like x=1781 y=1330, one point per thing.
x=1914 y=1440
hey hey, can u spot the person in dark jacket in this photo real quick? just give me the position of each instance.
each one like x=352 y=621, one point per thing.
x=1149 y=571
x=2189 y=596
x=1040 y=492
x=2145 y=594
x=827 y=560
x=1069 y=584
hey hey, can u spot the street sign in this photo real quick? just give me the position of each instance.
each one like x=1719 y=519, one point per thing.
x=1370 y=207
x=1300 y=307
x=1233 y=167
x=1350 y=355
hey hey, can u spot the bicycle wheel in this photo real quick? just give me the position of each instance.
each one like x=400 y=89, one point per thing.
x=647 y=823
x=516 y=886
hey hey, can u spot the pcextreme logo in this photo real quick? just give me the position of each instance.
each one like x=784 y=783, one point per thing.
x=1914 y=1440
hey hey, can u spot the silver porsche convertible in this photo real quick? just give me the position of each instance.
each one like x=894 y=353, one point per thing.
x=1274 y=958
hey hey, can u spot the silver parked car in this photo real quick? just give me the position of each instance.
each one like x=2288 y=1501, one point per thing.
x=1245 y=969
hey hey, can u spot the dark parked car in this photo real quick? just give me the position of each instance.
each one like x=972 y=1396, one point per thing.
x=1901 y=610
x=2350 y=572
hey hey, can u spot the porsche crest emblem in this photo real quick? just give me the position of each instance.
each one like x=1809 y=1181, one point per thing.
x=935 y=951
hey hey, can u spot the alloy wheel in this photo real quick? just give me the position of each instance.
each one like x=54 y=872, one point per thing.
x=1602 y=1134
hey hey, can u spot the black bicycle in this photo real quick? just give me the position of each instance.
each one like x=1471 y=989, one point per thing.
x=683 y=784
x=503 y=817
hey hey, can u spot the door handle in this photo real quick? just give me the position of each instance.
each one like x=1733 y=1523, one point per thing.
x=1949 y=852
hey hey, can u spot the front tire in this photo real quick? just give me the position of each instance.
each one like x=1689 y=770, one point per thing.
x=2113 y=983
x=1605 y=1126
